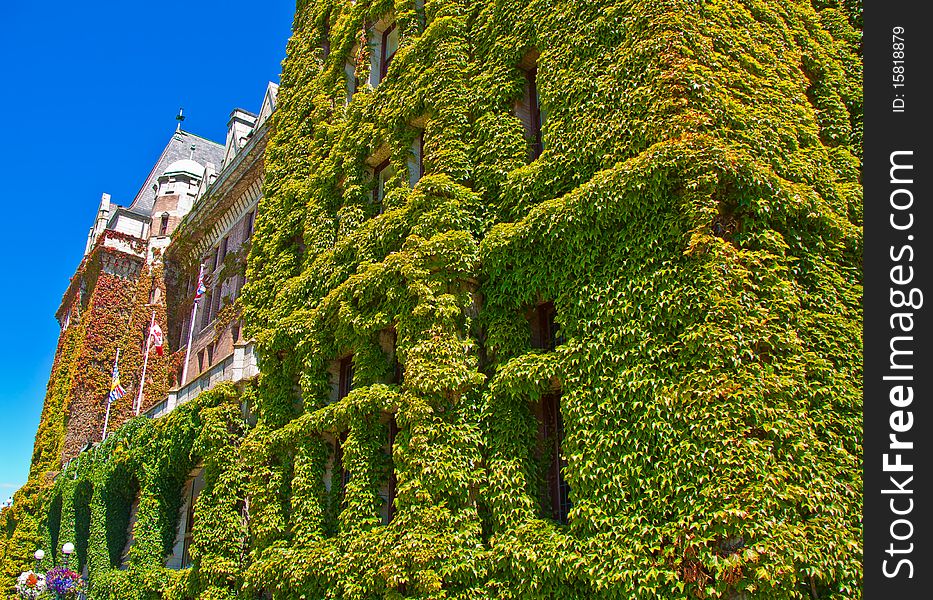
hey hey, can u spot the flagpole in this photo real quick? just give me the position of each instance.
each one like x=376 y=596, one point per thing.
x=142 y=379
x=109 y=401
x=194 y=314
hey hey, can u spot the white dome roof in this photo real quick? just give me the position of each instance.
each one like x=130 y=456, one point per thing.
x=186 y=166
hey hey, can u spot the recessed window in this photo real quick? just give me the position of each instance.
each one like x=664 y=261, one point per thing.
x=416 y=160
x=389 y=48
x=353 y=82
x=392 y=484
x=248 y=225
x=340 y=474
x=382 y=174
x=384 y=43
x=325 y=39
x=345 y=378
x=545 y=333
x=130 y=536
x=222 y=251
x=193 y=489
x=528 y=108
x=208 y=297
x=215 y=308
x=183 y=333
x=210 y=355
x=163 y=224
x=557 y=491
x=200 y=361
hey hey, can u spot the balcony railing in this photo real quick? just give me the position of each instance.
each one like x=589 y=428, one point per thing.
x=236 y=367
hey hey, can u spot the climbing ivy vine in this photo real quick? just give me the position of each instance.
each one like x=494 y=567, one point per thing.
x=695 y=217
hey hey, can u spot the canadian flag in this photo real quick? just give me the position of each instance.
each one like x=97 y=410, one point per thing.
x=156 y=338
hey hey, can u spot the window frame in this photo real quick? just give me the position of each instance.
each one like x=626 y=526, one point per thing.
x=379 y=192
x=208 y=304
x=551 y=435
x=340 y=475
x=534 y=110
x=249 y=224
x=188 y=538
x=345 y=377
x=392 y=486
x=545 y=333
x=384 y=58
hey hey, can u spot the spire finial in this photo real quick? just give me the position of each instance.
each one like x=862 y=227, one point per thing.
x=180 y=118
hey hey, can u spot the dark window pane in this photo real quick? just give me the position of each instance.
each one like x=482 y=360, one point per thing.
x=552 y=436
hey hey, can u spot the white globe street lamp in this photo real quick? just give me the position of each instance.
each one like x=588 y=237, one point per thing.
x=68 y=549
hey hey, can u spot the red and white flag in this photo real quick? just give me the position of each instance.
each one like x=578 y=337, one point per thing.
x=201 y=289
x=156 y=338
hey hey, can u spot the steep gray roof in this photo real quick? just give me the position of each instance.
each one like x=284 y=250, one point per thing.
x=178 y=148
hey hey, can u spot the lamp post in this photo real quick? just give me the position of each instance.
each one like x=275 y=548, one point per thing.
x=68 y=549
x=38 y=555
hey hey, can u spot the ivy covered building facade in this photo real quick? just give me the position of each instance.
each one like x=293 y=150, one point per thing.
x=547 y=300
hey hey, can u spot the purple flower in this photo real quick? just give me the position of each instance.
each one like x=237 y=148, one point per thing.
x=63 y=581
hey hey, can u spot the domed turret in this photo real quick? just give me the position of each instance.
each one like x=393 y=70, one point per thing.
x=185 y=166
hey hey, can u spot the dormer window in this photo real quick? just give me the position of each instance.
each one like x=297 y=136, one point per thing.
x=163 y=224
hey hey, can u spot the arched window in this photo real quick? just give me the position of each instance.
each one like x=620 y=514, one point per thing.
x=163 y=224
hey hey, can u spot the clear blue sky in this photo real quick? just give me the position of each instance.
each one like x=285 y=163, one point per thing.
x=88 y=94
